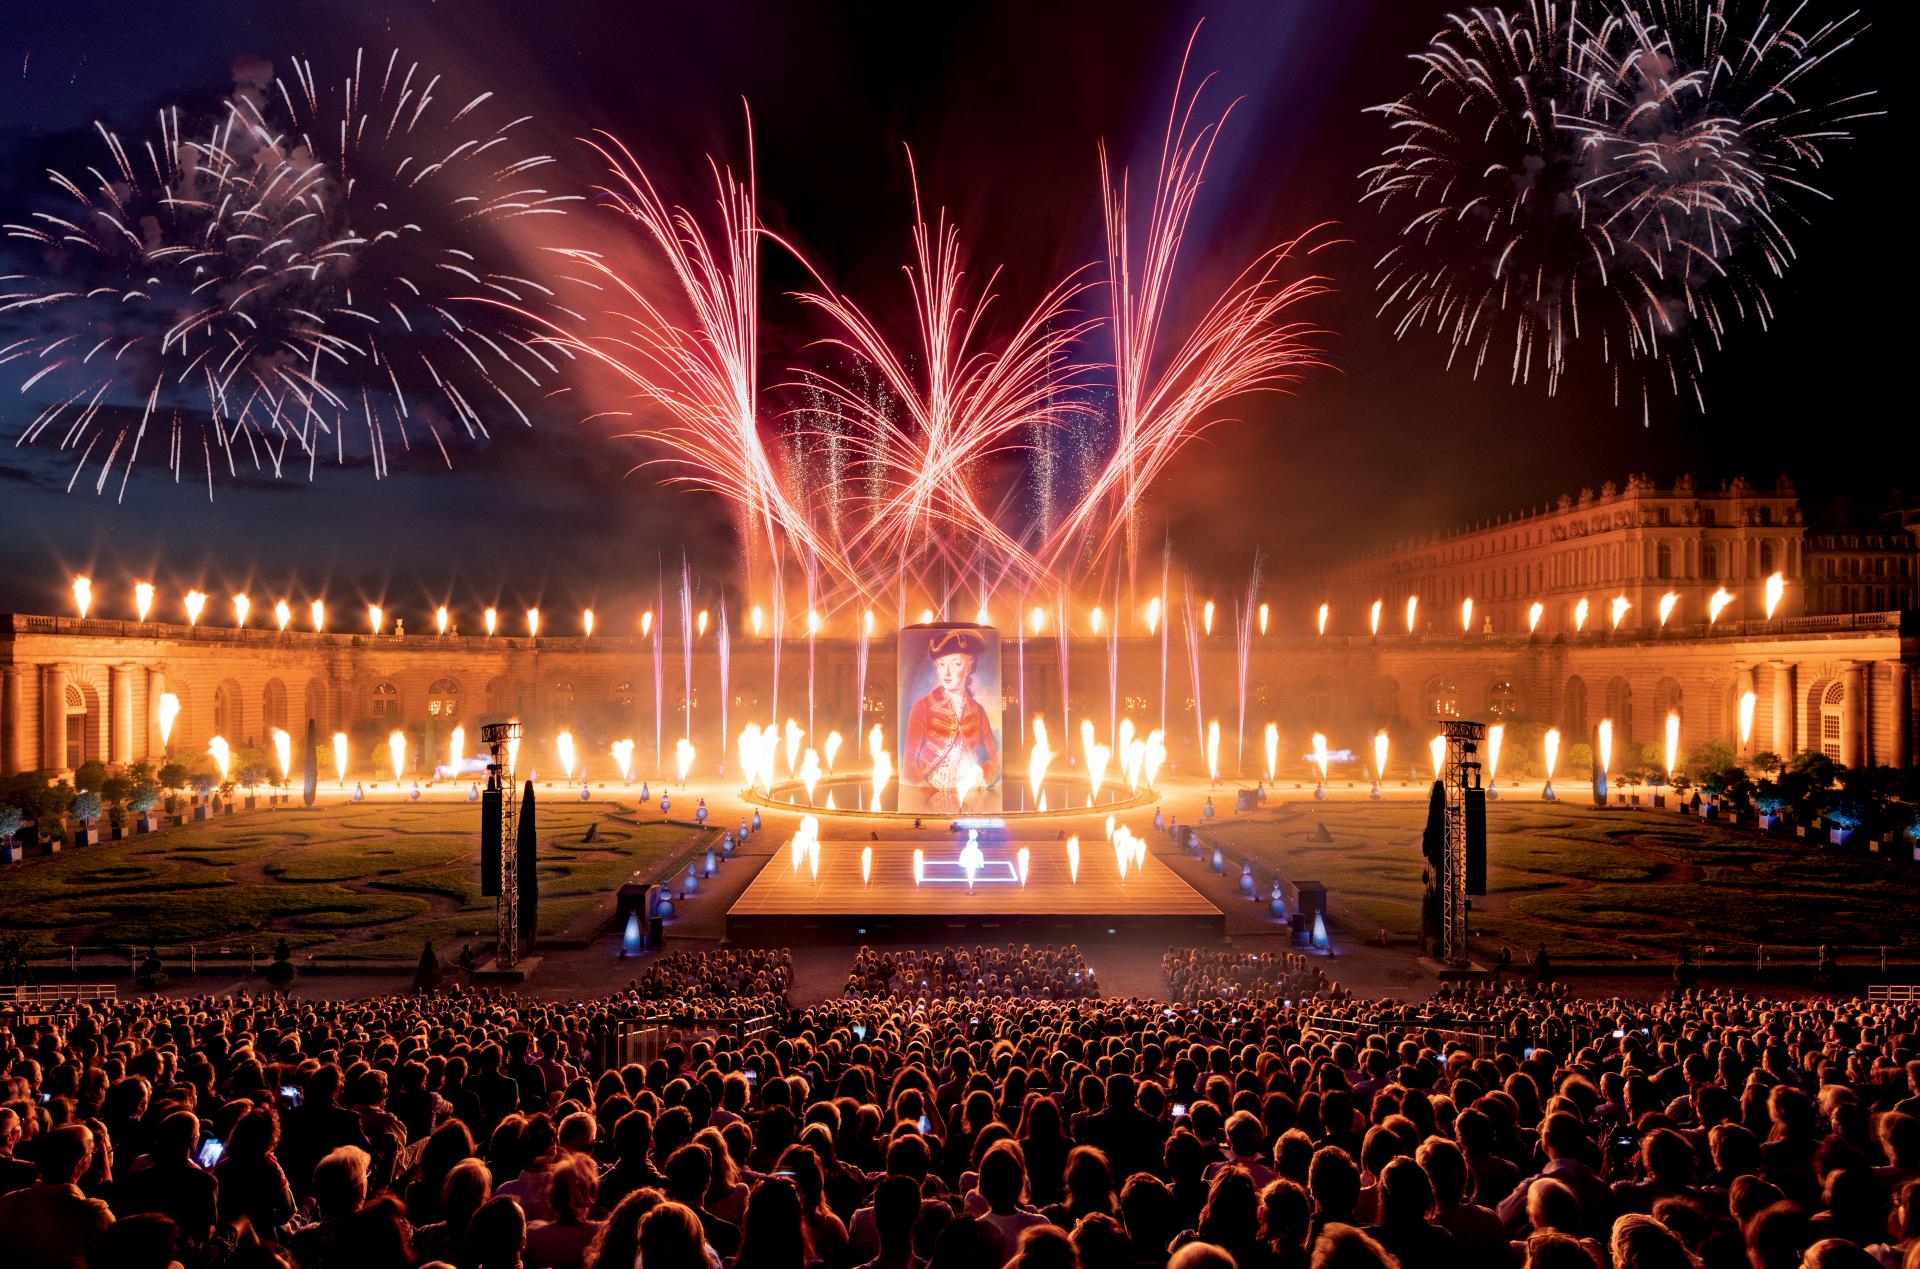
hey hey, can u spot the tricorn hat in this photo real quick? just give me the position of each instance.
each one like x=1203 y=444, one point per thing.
x=947 y=642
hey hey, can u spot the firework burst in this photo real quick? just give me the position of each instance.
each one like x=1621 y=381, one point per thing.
x=1615 y=182
x=301 y=269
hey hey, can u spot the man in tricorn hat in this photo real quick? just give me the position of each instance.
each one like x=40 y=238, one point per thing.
x=949 y=741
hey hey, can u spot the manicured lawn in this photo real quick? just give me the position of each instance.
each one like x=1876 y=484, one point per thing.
x=371 y=879
x=1616 y=884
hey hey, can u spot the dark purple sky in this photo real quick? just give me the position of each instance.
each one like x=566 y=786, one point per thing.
x=1002 y=104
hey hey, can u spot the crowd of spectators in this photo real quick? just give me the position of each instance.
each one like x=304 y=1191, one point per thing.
x=1044 y=972
x=1196 y=973
x=1707 y=1131
x=734 y=972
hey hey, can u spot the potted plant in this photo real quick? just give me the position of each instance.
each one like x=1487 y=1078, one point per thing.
x=172 y=778
x=1771 y=805
x=1842 y=820
x=203 y=787
x=11 y=821
x=115 y=793
x=85 y=808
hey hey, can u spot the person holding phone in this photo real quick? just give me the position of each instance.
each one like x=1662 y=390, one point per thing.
x=173 y=1182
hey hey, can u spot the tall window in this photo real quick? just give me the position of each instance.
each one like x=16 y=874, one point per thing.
x=1503 y=699
x=1832 y=708
x=1663 y=561
x=1710 y=562
x=1443 y=698
x=443 y=699
x=386 y=700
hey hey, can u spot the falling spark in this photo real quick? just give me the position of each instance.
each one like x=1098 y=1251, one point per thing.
x=1373 y=616
x=1413 y=607
x=1380 y=754
x=1534 y=612
x=222 y=756
x=82 y=594
x=1437 y=747
x=340 y=757
x=167 y=710
x=1717 y=604
x=491 y=619
x=1748 y=702
x=1667 y=603
x=1673 y=742
x=143 y=599
x=1619 y=610
x=1273 y=751
x=1073 y=860
x=1776 y=588
x=195 y=602
x=441 y=619
x=283 y=752
x=376 y=617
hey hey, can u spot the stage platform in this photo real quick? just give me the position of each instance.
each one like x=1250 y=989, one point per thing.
x=782 y=906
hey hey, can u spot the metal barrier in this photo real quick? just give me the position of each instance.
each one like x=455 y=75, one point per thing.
x=1479 y=1043
x=643 y=1039
x=1893 y=993
x=49 y=993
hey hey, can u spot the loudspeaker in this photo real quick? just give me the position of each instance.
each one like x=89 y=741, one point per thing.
x=1476 y=825
x=490 y=828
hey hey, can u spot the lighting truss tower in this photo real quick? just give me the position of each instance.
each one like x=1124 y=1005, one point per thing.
x=498 y=738
x=1466 y=834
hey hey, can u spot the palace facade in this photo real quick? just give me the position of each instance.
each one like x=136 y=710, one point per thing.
x=77 y=689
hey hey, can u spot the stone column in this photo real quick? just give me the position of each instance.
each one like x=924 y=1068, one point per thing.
x=13 y=722
x=53 y=718
x=1744 y=683
x=1901 y=749
x=1854 y=750
x=120 y=719
x=1783 y=687
x=156 y=688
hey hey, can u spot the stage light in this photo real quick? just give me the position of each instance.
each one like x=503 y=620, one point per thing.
x=143 y=599
x=586 y=623
x=1206 y=616
x=317 y=611
x=82 y=594
x=376 y=616
x=441 y=619
x=195 y=602
x=241 y=607
x=491 y=619
x=282 y=613
x=533 y=623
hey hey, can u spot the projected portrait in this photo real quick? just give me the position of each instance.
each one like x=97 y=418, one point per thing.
x=950 y=697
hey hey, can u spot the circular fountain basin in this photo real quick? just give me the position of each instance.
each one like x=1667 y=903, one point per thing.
x=852 y=796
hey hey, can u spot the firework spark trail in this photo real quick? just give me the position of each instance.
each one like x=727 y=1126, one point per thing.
x=1243 y=636
x=724 y=646
x=1165 y=397
x=1193 y=667
x=292 y=270
x=964 y=405
x=1609 y=183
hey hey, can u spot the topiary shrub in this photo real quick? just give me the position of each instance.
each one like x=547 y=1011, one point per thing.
x=282 y=973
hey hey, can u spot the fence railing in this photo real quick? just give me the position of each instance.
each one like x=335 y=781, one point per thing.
x=41 y=993
x=1480 y=1043
x=1893 y=993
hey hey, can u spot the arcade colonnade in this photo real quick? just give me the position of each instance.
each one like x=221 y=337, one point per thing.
x=73 y=690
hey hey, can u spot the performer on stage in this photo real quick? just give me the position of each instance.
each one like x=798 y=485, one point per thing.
x=949 y=746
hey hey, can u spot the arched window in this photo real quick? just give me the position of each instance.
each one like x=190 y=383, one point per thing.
x=386 y=700
x=1620 y=710
x=1386 y=698
x=443 y=699
x=624 y=695
x=1503 y=699
x=1832 y=711
x=273 y=705
x=1442 y=698
x=1663 y=561
x=560 y=701
x=1573 y=710
x=228 y=717
x=1319 y=701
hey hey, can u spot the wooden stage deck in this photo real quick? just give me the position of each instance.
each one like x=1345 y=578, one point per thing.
x=781 y=906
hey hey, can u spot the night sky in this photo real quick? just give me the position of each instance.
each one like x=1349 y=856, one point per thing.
x=1002 y=105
